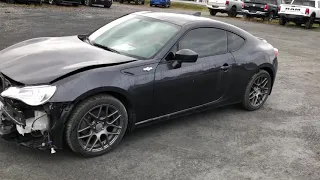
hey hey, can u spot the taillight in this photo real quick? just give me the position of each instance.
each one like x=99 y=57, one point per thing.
x=276 y=51
x=242 y=5
x=307 y=11
x=227 y=2
x=279 y=8
x=265 y=7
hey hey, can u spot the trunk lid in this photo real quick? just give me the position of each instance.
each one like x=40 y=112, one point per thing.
x=255 y=5
x=293 y=9
x=218 y=3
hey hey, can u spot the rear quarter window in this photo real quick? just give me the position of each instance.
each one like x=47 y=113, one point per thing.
x=235 y=42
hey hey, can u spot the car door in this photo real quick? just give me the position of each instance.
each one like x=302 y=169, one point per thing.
x=194 y=84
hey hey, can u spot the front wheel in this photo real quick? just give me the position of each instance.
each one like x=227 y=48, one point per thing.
x=257 y=91
x=96 y=126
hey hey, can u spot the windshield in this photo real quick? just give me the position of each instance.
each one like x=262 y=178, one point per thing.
x=134 y=35
x=304 y=3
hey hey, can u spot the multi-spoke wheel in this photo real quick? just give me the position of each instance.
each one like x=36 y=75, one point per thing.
x=257 y=91
x=96 y=126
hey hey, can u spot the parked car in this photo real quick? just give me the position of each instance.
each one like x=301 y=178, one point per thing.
x=39 y=2
x=88 y=90
x=135 y=1
x=265 y=9
x=300 y=12
x=163 y=3
x=105 y=3
x=66 y=2
x=232 y=7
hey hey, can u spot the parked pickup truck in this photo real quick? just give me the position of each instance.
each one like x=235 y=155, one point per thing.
x=265 y=9
x=232 y=7
x=300 y=12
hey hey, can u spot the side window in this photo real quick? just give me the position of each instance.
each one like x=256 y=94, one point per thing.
x=234 y=42
x=205 y=41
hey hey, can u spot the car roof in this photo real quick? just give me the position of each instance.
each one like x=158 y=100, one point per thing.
x=174 y=18
x=184 y=19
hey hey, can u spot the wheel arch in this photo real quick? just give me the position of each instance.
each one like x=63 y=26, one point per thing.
x=118 y=93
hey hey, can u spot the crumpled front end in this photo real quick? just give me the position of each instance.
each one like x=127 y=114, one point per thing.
x=31 y=126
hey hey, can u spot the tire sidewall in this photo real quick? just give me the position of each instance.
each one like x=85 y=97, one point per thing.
x=76 y=116
x=246 y=102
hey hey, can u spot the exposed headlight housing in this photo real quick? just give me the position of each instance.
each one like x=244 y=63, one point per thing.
x=31 y=95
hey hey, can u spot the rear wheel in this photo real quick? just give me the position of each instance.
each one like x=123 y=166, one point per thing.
x=96 y=126
x=88 y=2
x=212 y=12
x=282 y=21
x=271 y=16
x=52 y=2
x=257 y=91
x=232 y=12
x=10 y=1
x=310 y=22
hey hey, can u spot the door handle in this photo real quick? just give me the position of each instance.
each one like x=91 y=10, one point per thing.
x=225 y=67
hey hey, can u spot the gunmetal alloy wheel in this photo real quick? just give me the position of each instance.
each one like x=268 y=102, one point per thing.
x=96 y=126
x=87 y=2
x=99 y=128
x=257 y=91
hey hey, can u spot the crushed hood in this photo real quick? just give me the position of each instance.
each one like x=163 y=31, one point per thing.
x=42 y=60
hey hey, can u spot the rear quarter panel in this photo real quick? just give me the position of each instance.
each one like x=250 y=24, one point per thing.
x=254 y=55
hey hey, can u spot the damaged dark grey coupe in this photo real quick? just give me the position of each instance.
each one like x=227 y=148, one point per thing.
x=86 y=91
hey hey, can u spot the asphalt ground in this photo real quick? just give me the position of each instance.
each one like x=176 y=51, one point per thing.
x=279 y=141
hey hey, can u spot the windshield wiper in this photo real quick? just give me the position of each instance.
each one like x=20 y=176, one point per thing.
x=105 y=48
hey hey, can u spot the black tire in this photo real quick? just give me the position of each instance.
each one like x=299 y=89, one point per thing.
x=247 y=16
x=298 y=23
x=107 y=6
x=10 y=1
x=121 y=1
x=88 y=2
x=310 y=22
x=142 y=2
x=77 y=118
x=246 y=103
x=271 y=16
x=232 y=12
x=282 y=21
x=212 y=12
x=52 y=2
x=136 y=2
x=75 y=4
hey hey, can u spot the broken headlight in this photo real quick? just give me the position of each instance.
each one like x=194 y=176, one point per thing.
x=31 y=95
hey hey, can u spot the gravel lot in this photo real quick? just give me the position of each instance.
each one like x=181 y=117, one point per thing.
x=280 y=141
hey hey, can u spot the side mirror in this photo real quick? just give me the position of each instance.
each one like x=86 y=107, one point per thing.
x=184 y=55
